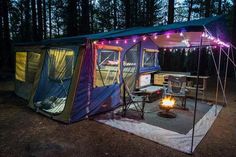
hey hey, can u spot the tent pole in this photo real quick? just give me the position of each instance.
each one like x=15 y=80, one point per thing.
x=231 y=60
x=232 y=53
x=196 y=96
x=226 y=69
x=218 y=76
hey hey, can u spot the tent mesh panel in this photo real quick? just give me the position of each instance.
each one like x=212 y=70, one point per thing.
x=55 y=80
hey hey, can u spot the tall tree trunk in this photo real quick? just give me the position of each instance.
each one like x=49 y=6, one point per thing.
x=50 y=17
x=190 y=9
x=115 y=14
x=34 y=20
x=219 y=7
x=207 y=8
x=171 y=12
x=44 y=20
x=27 y=24
x=1 y=33
x=147 y=8
x=151 y=12
x=40 y=20
x=6 y=33
x=234 y=23
x=127 y=13
x=72 y=28
x=84 y=23
x=91 y=16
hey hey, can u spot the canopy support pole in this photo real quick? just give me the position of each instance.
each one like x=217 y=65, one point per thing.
x=196 y=96
x=232 y=53
x=218 y=77
x=231 y=60
x=226 y=69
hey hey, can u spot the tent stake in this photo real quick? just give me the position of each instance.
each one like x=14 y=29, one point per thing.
x=196 y=97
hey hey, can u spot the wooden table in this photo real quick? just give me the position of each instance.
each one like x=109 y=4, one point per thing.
x=202 y=88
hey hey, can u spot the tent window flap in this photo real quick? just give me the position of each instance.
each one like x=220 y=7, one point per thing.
x=32 y=65
x=21 y=58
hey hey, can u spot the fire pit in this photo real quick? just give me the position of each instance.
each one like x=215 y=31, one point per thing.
x=166 y=104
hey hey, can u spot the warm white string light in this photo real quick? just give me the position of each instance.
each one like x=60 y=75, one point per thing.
x=155 y=36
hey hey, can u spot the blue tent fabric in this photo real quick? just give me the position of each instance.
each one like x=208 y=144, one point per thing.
x=84 y=86
x=48 y=87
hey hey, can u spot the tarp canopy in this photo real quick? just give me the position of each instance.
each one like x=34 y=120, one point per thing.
x=192 y=31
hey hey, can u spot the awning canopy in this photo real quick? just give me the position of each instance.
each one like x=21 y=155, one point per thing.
x=181 y=34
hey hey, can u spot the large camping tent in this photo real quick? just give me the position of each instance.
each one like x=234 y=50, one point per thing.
x=82 y=76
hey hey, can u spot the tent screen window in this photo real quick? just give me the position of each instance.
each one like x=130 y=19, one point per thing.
x=107 y=66
x=60 y=64
x=149 y=59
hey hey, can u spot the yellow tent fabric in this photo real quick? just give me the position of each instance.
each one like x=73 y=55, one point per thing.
x=32 y=66
x=58 y=68
x=21 y=58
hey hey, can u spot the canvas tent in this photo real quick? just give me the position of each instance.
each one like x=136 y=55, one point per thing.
x=81 y=76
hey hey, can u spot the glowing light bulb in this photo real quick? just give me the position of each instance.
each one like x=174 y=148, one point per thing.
x=134 y=40
x=125 y=41
x=181 y=34
x=144 y=38
x=167 y=36
x=203 y=34
x=117 y=42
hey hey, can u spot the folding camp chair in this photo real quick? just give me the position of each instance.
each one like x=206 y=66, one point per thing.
x=134 y=100
x=176 y=87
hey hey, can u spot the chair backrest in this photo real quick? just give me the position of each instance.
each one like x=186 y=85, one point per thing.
x=176 y=84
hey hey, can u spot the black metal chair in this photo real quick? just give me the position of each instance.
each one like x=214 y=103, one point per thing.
x=134 y=100
x=176 y=87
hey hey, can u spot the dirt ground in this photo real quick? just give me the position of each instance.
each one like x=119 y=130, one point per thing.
x=26 y=133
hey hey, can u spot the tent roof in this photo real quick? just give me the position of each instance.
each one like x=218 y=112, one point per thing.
x=214 y=25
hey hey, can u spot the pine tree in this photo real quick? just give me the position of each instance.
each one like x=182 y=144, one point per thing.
x=207 y=8
x=171 y=9
x=44 y=20
x=40 y=20
x=34 y=20
x=71 y=18
x=234 y=22
x=84 y=20
x=50 y=17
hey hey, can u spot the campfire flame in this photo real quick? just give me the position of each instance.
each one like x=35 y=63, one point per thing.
x=167 y=102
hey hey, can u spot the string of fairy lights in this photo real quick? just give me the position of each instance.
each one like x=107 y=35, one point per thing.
x=187 y=45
